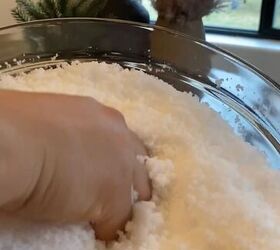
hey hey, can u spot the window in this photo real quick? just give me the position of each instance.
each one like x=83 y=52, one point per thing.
x=257 y=18
x=239 y=14
x=276 y=22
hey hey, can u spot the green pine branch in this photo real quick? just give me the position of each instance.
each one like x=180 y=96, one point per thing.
x=31 y=9
x=27 y=10
x=83 y=7
x=62 y=5
x=96 y=7
x=50 y=7
x=20 y=15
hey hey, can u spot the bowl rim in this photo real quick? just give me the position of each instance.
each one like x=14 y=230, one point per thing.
x=152 y=27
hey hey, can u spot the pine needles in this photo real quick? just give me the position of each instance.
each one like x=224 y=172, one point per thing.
x=28 y=10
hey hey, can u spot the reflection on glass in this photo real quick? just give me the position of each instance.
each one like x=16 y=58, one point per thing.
x=239 y=14
x=276 y=23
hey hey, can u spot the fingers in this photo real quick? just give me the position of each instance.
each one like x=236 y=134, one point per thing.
x=107 y=231
x=119 y=208
x=138 y=145
x=114 y=219
x=141 y=182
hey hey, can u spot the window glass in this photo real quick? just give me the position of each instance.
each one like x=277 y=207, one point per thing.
x=276 y=24
x=239 y=14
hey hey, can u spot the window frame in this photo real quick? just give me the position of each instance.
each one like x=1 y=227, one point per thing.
x=266 y=29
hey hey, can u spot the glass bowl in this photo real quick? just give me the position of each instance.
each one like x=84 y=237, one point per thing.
x=246 y=99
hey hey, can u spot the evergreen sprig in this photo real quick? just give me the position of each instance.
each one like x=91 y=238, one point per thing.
x=27 y=10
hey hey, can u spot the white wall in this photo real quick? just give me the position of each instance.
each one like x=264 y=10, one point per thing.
x=264 y=54
x=5 y=12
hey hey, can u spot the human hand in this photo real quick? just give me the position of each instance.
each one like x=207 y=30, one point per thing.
x=68 y=159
